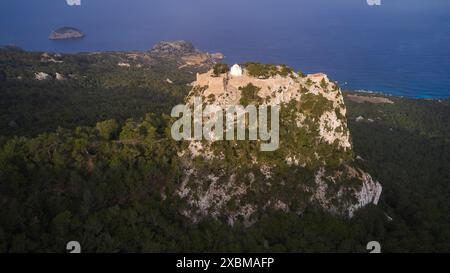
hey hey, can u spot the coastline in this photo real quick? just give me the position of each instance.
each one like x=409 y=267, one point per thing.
x=378 y=92
x=390 y=95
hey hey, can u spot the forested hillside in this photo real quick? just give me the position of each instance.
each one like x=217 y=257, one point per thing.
x=105 y=177
x=81 y=89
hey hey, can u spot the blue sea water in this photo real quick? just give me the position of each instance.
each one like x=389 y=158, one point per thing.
x=401 y=47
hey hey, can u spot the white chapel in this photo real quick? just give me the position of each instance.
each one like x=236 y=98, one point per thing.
x=236 y=71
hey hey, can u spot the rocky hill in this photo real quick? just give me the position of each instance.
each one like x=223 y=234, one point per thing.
x=186 y=53
x=314 y=163
x=115 y=180
x=65 y=33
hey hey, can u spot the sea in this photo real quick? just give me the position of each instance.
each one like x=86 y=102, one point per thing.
x=397 y=47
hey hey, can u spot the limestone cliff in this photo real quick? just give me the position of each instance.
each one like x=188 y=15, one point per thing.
x=314 y=164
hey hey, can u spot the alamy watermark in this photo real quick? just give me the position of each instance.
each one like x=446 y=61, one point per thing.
x=374 y=247
x=374 y=2
x=73 y=2
x=214 y=123
x=73 y=247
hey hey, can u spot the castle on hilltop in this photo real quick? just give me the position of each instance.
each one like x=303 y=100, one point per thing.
x=220 y=84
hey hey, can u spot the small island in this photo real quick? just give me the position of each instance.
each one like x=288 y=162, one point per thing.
x=65 y=33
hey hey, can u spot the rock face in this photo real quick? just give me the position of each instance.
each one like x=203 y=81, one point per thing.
x=314 y=164
x=175 y=48
x=186 y=53
x=59 y=77
x=65 y=33
x=41 y=76
x=47 y=58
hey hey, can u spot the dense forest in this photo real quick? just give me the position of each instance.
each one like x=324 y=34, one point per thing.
x=94 y=88
x=90 y=159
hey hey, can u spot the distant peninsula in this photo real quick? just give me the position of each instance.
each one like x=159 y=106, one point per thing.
x=65 y=33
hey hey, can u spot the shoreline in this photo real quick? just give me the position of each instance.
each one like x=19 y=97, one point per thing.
x=360 y=91
x=390 y=95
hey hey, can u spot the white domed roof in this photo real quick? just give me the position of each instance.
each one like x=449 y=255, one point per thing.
x=236 y=71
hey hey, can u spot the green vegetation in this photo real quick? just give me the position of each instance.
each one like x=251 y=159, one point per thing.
x=249 y=95
x=220 y=68
x=315 y=105
x=324 y=84
x=301 y=74
x=265 y=71
x=407 y=147
x=76 y=184
x=95 y=89
x=211 y=98
x=107 y=129
x=107 y=180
